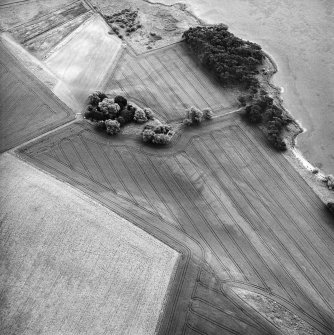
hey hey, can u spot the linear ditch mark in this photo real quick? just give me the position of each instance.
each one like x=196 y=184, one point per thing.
x=276 y=238
x=24 y=42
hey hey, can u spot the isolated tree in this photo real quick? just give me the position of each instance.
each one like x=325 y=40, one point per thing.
x=140 y=116
x=194 y=115
x=109 y=107
x=207 y=114
x=121 y=101
x=112 y=127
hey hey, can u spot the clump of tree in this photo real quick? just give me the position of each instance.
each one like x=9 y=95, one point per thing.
x=194 y=116
x=126 y=20
x=231 y=59
x=157 y=134
x=110 y=114
x=263 y=110
x=329 y=180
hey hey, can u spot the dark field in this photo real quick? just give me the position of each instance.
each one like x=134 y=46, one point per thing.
x=238 y=212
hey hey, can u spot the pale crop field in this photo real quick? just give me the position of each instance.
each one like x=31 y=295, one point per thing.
x=237 y=210
x=69 y=265
x=84 y=58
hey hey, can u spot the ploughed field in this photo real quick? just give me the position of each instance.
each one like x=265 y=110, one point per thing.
x=27 y=107
x=242 y=217
x=169 y=80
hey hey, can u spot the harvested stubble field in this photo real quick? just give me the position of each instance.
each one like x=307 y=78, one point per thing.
x=69 y=265
x=30 y=30
x=169 y=80
x=27 y=107
x=240 y=214
x=17 y=12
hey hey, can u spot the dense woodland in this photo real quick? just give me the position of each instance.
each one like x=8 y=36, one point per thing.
x=236 y=62
x=231 y=59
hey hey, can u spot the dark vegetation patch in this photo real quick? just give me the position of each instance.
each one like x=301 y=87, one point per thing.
x=124 y=22
x=194 y=116
x=231 y=59
x=161 y=134
x=236 y=62
x=260 y=109
x=110 y=114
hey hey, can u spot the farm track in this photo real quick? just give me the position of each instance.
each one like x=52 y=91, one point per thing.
x=216 y=194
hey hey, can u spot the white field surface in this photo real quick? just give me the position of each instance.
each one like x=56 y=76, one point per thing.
x=69 y=265
x=83 y=59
